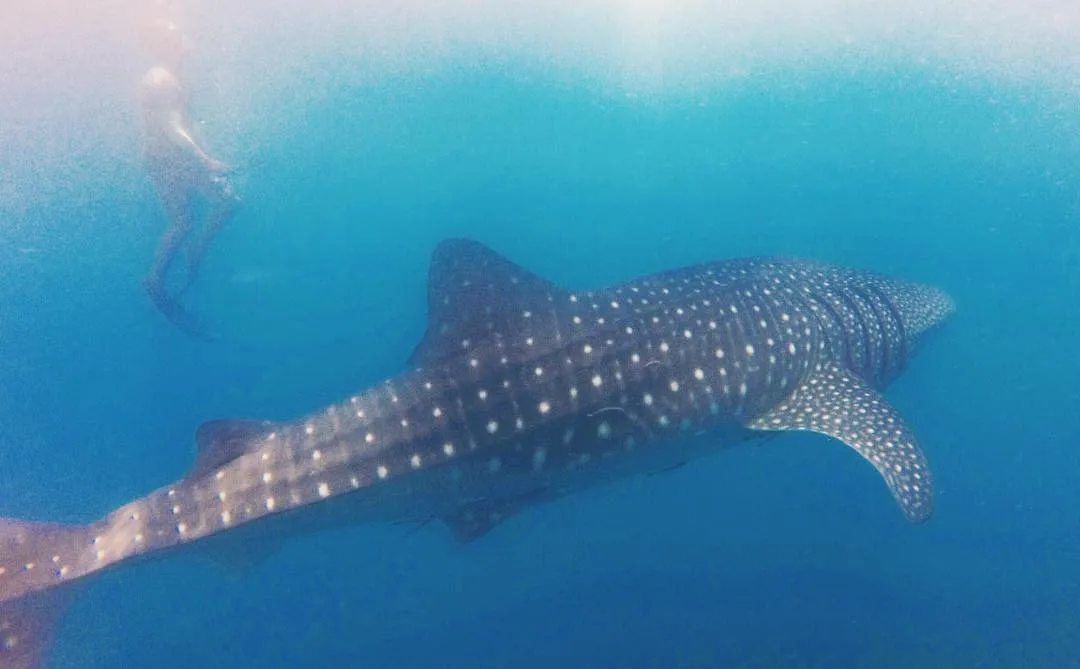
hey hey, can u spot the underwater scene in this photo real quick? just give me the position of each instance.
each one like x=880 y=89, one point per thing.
x=598 y=334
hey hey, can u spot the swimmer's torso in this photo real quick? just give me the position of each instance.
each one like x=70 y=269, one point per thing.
x=164 y=115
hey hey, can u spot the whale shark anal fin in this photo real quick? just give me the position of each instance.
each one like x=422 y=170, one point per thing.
x=475 y=519
x=836 y=403
x=238 y=557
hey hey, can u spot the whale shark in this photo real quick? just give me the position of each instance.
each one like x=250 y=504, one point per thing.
x=521 y=391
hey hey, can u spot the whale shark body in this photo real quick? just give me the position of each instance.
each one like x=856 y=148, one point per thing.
x=522 y=391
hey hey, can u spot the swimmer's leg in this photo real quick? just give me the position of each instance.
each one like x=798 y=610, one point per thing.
x=223 y=205
x=178 y=211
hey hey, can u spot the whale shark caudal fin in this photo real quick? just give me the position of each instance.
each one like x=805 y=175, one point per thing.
x=26 y=629
x=35 y=560
x=835 y=403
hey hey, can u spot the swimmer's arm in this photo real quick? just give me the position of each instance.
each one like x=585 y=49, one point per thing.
x=182 y=138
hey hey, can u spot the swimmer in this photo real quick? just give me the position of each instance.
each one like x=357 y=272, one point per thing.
x=181 y=169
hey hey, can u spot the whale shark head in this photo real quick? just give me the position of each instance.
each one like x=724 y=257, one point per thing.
x=924 y=309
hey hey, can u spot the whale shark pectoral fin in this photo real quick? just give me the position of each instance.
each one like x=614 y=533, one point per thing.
x=222 y=441
x=834 y=402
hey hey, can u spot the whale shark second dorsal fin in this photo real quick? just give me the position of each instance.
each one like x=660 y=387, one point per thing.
x=836 y=403
x=476 y=295
x=222 y=441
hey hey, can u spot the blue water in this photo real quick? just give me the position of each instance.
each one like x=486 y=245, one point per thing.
x=788 y=555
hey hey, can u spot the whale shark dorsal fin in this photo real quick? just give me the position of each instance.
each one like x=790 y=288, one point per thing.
x=476 y=295
x=836 y=403
x=222 y=441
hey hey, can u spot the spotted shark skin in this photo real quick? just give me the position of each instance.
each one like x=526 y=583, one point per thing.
x=520 y=392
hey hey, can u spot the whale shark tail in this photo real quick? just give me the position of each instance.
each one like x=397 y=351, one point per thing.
x=38 y=561
x=27 y=625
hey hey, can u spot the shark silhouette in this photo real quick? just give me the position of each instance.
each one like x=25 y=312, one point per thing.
x=520 y=392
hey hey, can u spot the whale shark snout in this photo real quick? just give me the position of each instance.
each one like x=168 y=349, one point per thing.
x=922 y=308
x=927 y=309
